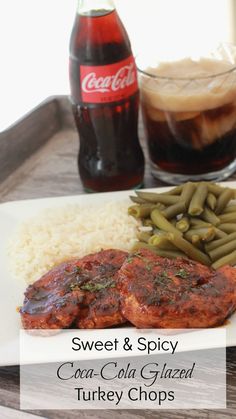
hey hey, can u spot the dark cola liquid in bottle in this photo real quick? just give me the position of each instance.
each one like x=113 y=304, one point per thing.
x=105 y=99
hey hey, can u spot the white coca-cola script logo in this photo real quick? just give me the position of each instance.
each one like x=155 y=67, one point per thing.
x=124 y=77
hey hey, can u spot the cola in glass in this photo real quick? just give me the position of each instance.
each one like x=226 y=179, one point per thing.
x=105 y=99
x=189 y=115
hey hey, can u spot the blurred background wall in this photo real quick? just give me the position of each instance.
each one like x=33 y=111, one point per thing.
x=34 y=38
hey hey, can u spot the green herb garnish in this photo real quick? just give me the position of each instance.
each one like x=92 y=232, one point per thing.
x=97 y=287
x=148 y=265
x=129 y=259
x=162 y=277
x=182 y=273
x=74 y=287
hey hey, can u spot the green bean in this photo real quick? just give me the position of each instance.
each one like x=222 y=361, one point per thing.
x=209 y=216
x=192 y=237
x=160 y=206
x=137 y=200
x=187 y=193
x=214 y=188
x=162 y=223
x=194 y=219
x=196 y=241
x=147 y=222
x=225 y=260
x=156 y=197
x=230 y=208
x=160 y=252
x=220 y=242
x=188 y=248
x=217 y=189
x=221 y=251
x=189 y=235
x=161 y=241
x=205 y=234
x=223 y=200
x=198 y=223
x=140 y=211
x=142 y=245
x=211 y=201
x=144 y=236
x=196 y=205
x=174 y=191
x=228 y=227
x=228 y=218
x=173 y=210
x=219 y=233
x=157 y=231
x=183 y=224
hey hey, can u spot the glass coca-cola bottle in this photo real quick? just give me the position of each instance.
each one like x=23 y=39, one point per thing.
x=105 y=99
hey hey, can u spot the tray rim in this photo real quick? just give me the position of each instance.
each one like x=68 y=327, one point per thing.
x=33 y=130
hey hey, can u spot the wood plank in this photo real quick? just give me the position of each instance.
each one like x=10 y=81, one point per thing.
x=7 y=413
x=9 y=397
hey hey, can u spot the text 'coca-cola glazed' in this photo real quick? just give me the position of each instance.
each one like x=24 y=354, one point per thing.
x=105 y=99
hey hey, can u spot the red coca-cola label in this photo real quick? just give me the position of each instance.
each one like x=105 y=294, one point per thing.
x=108 y=83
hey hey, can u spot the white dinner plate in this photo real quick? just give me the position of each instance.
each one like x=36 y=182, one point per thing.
x=12 y=289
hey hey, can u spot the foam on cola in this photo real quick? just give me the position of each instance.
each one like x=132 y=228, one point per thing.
x=189 y=109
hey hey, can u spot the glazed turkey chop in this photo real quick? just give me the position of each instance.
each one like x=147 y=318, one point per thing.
x=82 y=291
x=175 y=293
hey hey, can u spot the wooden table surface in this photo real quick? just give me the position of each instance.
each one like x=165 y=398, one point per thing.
x=52 y=171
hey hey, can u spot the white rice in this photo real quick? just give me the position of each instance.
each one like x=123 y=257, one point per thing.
x=59 y=234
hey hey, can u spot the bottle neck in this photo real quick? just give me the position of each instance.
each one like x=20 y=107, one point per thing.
x=87 y=7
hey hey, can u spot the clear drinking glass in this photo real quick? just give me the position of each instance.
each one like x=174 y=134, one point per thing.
x=189 y=116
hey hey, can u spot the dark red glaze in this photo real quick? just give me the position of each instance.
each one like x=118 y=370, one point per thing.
x=50 y=303
x=175 y=293
x=109 y=287
x=82 y=292
x=101 y=309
